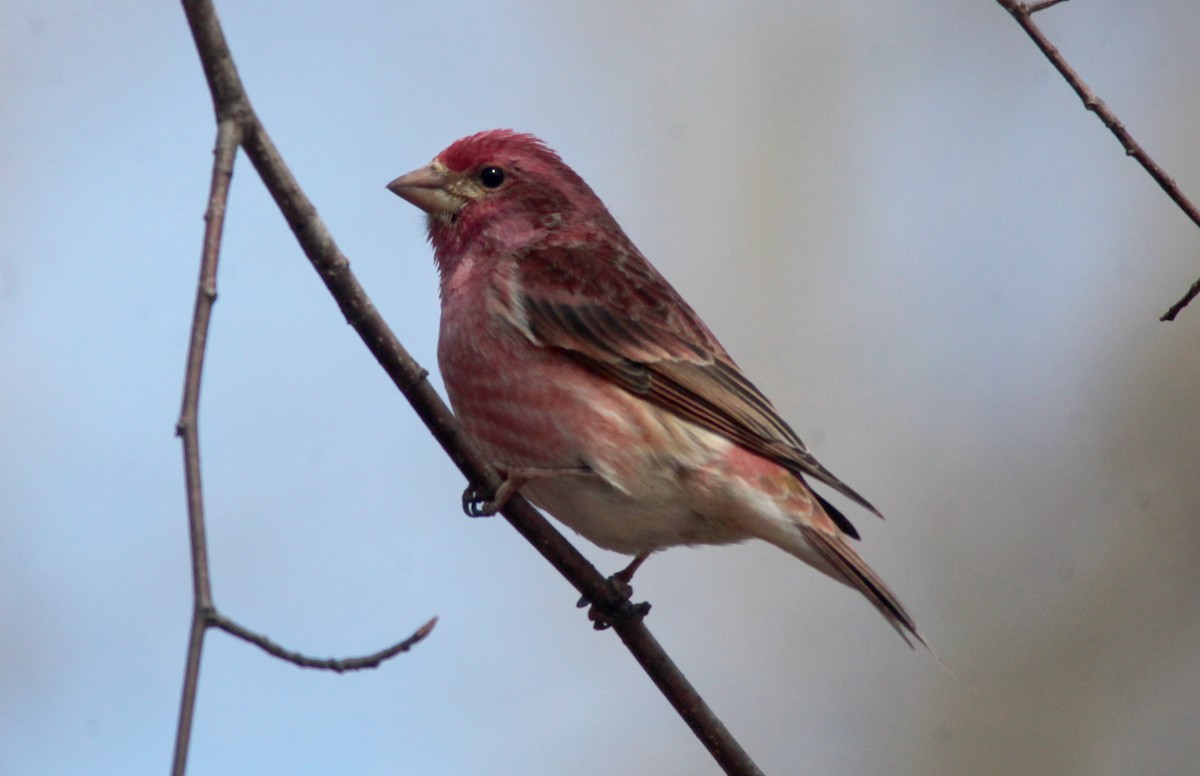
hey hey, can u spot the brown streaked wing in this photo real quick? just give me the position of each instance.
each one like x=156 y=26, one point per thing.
x=749 y=417
x=659 y=348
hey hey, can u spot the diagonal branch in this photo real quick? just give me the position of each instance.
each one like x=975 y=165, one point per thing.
x=1192 y=292
x=230 y=99
x=1023 y=13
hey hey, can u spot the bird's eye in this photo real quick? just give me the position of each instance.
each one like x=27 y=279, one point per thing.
x=491 y=177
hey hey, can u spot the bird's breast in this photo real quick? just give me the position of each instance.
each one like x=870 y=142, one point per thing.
x=657 y=480
x=525 y=404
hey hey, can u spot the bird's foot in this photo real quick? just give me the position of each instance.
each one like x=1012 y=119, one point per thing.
x=605 y=619
x=479 y=502
x=621 y=607
x=618 y=609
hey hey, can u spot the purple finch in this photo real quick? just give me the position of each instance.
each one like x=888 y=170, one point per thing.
x=597 y=391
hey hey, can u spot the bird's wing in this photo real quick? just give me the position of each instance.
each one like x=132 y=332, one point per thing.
x=619 y=318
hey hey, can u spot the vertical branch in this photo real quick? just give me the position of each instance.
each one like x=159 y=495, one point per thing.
x=228 y=136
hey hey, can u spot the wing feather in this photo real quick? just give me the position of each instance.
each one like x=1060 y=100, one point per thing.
x=659 y=348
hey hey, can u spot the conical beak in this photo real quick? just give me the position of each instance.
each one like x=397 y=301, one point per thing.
x=428 y=189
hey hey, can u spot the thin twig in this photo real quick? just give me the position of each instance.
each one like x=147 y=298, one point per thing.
x=204 y=612
x=334 y=269
x=1183 y=302
x=1033 y=8
x=228 y=135
x=337 y=665
x=1023 y=13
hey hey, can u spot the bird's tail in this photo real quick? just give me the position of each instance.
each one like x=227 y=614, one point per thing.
x=848 y=567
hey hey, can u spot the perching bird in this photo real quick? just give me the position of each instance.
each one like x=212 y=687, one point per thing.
x=597 y=391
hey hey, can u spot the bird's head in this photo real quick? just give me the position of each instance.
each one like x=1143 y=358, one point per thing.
x=500 y=186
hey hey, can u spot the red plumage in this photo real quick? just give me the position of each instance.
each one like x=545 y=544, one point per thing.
x=588 y=379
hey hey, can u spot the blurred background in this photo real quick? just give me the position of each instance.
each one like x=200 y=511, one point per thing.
x=897 y=217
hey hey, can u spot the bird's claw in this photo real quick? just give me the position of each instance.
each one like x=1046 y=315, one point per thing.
x=477 y=502
x=627 y=610
x=480 y=502
x=622 y=608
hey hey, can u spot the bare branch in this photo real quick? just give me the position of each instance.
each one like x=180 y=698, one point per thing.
x=1033 y=8
x=1184 y=301
x=1023 y=13
x=338 y=665
x=228 y=135
x=230 y=99
x=204 y=613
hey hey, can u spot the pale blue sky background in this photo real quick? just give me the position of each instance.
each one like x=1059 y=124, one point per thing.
x=896 y=216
